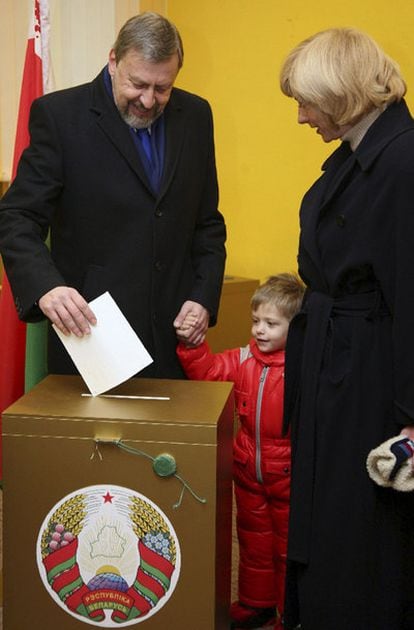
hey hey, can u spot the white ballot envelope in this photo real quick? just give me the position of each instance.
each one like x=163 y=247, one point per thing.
x=112 y=353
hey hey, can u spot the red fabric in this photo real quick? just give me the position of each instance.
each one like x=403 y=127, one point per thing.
x=12 y=349
x=261 y=464
x=13 y=331
x=32 y=87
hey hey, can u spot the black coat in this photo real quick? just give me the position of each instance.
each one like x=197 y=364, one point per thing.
x=82 y=176
x=350 y=543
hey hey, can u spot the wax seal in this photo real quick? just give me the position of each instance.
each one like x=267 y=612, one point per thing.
x=164 y=465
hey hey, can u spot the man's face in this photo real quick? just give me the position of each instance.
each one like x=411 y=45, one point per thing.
x=141 y=88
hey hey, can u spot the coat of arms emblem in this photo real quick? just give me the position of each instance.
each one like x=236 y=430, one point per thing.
x=108 y=556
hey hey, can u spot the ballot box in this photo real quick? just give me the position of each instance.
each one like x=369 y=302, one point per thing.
x=117 y=508
x=234 y=320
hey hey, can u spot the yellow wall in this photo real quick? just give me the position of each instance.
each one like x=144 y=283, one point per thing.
x=81 y=33
x=233 y=52
x=266 y=161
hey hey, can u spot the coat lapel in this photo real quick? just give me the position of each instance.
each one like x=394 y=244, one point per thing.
x=117 y=132
x=394 y=121
x=337 y=168
x=174 y=136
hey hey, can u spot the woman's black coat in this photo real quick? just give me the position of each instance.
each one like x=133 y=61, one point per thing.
x=350 y=543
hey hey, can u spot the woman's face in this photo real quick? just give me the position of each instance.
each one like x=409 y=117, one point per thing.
x=307 y=114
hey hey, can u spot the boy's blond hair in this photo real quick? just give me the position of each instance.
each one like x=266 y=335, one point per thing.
x=285 y=291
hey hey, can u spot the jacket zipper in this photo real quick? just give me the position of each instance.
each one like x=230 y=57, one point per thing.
x=257 y=422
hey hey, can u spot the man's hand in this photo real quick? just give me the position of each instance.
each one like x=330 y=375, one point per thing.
x=68 y=310
x=186 y=329
x=194 y=316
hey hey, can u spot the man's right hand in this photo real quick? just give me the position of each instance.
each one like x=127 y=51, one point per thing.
x=68 y=311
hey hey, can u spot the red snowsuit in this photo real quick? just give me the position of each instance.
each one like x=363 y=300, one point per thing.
x=261 y=465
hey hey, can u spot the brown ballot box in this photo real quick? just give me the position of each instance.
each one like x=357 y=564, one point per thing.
x=234 y=321
x=117 y=509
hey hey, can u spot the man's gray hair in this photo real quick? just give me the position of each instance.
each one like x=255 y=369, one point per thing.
x=152 y=35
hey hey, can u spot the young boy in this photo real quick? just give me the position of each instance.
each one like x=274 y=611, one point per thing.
x=261 y=467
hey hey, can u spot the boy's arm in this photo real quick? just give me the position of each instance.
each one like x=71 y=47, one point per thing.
x=203 y=365
x=191 y=323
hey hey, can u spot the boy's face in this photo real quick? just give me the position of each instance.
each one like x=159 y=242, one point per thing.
x=269 y=328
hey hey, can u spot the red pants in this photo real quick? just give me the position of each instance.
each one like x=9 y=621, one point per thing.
x=262 y=529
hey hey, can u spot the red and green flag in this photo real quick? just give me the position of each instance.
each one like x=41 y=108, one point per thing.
x=23 y=348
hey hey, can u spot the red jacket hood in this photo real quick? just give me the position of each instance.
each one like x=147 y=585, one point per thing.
x=267 y=358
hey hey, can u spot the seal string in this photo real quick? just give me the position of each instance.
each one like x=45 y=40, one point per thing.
x=164 y=465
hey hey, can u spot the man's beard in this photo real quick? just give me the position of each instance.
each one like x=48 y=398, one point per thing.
x=138 y=122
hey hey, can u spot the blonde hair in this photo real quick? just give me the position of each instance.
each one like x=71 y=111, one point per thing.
x=285 y=291
x=343 y=73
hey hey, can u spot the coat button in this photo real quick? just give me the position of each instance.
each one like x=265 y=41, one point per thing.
x=158 y=213
x=158 y=265
x=340 y=220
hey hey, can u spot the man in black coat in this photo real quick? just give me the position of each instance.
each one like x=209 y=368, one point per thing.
x=122 y=171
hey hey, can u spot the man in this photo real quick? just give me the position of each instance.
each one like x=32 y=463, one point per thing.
x=122 y=171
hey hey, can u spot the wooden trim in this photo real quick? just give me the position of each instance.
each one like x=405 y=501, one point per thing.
x=3 y=187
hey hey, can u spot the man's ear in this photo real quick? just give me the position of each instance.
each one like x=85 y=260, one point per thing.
x=111 y=62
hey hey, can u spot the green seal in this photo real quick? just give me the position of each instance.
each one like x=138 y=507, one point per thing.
x=164 y=465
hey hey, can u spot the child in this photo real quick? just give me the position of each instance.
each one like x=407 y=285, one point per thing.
x=261 y=466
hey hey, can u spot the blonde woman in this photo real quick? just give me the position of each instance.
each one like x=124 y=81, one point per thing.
x=350 y=352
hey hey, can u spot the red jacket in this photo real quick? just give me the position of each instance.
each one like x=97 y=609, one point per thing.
x=261 y=465
x=259 y=384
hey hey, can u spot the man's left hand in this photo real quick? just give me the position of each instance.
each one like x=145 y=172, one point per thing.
x=201 y=319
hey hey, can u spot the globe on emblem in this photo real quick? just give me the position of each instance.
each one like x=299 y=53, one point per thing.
x=108 y=577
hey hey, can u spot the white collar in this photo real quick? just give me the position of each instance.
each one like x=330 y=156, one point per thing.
x=358 y=131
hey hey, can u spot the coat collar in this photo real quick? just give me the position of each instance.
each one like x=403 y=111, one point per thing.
x=269 y=359
x=109 y=120
x=393 y=122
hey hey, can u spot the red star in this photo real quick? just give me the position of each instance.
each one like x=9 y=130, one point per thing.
x=107 y=497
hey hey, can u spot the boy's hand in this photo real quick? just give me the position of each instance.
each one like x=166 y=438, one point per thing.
x=191 y=323
x=186 y=329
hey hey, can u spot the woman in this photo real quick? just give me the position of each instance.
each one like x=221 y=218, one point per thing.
x=350 y=352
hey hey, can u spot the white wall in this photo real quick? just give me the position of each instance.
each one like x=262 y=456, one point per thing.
x=82 y=32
